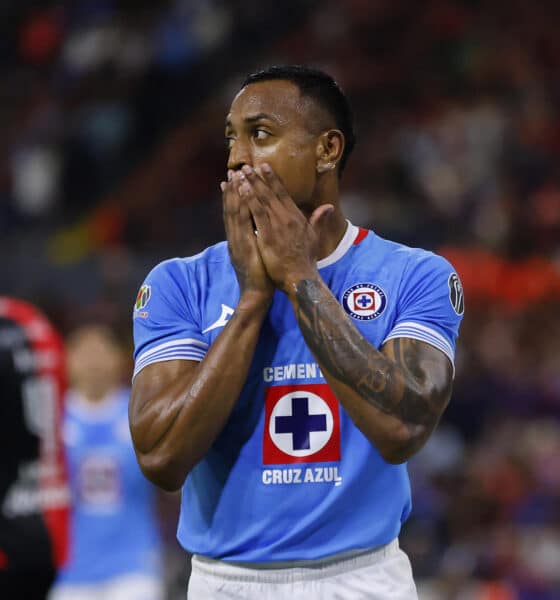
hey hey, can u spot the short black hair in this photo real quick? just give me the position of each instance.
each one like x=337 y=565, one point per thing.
x=323 y=89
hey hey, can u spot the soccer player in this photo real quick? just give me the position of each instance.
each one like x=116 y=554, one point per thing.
x=33 y=491
x=114 y=541
x=284 y=377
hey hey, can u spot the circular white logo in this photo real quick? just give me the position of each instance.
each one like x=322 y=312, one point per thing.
x=301 y=423
x=364 y=301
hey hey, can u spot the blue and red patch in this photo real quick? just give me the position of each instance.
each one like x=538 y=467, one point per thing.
x=364 y=301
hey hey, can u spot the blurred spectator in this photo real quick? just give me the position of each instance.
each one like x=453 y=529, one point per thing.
x=33 y=492
x=114 y=544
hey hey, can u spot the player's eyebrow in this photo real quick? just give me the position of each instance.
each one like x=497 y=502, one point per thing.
x=254 y=118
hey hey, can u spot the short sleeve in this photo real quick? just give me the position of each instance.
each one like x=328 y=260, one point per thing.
x=165 y=319
x=430 y=305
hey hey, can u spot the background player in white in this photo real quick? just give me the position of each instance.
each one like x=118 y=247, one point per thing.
x=379 y=319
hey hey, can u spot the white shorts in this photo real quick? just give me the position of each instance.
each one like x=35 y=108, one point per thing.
x=381 y=574
x=125 y=587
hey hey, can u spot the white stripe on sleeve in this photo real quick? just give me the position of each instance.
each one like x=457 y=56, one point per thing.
x=420 y=332
x=183 y=349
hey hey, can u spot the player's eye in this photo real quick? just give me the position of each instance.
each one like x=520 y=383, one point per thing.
x=261 y=134
x=229 y=142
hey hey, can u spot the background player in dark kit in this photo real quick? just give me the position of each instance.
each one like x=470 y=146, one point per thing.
x=33 y=492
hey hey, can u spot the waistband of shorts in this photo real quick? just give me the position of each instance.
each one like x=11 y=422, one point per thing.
x=292 y=571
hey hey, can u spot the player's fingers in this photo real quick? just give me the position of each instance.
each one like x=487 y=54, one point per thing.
x=257 y=209
x=245 y=218
x=275 y=184
x=320 y=214
x=246 y=222
x=223 y=187
x=231 y=195
x=237 y=216
x=263 y=192
x=231 y=211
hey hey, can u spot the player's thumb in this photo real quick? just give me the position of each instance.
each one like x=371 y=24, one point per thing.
x=320 y=214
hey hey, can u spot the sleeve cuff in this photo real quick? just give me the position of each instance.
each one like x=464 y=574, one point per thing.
x=416 y=331
x=183 y=349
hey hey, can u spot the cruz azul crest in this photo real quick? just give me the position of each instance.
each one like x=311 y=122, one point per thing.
x=364 y=301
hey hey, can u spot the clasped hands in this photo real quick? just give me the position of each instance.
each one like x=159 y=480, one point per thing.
x=270 y=241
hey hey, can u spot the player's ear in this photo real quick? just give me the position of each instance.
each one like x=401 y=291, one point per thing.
x=330 y=147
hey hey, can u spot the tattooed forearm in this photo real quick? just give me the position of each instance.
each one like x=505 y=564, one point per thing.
x=394 y=383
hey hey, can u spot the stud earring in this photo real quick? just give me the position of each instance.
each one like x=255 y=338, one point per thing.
x=326 y=167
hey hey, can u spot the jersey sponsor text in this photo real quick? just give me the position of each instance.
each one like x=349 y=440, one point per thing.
x=292 y=371
x=300 y=475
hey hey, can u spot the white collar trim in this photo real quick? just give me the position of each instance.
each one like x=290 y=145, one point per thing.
x=345 y=243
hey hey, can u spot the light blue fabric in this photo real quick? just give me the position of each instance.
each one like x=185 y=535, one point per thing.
x=291 y=477
x=114 y=529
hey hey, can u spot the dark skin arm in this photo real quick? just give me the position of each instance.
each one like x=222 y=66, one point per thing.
x=178 y=408
x=395 y=395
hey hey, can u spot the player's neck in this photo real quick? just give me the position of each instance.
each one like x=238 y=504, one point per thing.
x=332 y=230
x=333 y=226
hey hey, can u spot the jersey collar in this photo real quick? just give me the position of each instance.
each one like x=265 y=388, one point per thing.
x=345 y=243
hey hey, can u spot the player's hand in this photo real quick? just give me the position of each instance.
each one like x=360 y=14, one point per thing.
x=287 y=241
x=242 y=243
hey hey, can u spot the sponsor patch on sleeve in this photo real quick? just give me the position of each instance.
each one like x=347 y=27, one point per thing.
x=456 y=294
x=142 y=299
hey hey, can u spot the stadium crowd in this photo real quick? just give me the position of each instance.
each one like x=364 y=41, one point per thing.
x=111 y=156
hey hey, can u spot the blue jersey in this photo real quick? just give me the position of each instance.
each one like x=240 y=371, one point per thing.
x=113 y=524
x=291 y=477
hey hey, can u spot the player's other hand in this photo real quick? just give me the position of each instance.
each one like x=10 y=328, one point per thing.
x=287 y=241
x=242 y=245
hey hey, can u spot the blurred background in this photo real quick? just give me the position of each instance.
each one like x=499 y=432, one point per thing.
x=111 y=154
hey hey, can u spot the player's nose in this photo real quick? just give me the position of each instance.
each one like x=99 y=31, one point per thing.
x=239 y=155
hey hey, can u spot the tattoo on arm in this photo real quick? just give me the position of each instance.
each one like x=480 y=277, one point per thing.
x=394 y=383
